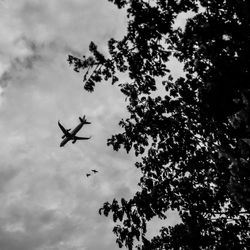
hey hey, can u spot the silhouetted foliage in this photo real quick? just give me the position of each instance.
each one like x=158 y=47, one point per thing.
x=194 y=139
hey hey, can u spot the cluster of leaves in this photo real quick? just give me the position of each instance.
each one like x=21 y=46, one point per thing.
x=194 y=140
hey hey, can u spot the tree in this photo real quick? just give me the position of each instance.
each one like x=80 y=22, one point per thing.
x=194 y=141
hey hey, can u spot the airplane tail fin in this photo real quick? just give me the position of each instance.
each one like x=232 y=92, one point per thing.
x=83 y=120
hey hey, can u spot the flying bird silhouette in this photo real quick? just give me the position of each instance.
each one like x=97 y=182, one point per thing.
x=94 y=171
x=88 y=175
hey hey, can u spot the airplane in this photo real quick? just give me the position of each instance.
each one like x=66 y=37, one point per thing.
x=94 y=171
x=72 y=135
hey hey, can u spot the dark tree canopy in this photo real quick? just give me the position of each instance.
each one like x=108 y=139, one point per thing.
x=194 y=140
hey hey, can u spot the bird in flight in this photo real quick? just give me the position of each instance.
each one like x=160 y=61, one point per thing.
x=71 y=135
x=88 y=175
x=94 y=171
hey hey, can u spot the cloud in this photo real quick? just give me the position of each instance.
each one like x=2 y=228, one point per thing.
x=72 y=24
x=46 y=200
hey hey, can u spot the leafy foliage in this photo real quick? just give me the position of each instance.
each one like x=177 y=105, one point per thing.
x=194 y=139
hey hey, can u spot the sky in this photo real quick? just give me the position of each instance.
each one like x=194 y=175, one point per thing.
x=46 y=200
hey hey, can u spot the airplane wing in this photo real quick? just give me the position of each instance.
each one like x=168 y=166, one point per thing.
x=81 y=138
x=65 y=131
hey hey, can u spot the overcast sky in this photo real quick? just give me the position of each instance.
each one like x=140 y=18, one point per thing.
x=46 y=201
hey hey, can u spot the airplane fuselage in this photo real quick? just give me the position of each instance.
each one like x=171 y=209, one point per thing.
x=71 y=134
x=76 y=129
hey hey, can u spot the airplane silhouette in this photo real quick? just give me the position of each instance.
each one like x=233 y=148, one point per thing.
x=94 y=171
x=72 y=135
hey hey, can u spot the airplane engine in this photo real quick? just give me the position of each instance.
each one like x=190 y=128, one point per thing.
x=74 y=141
